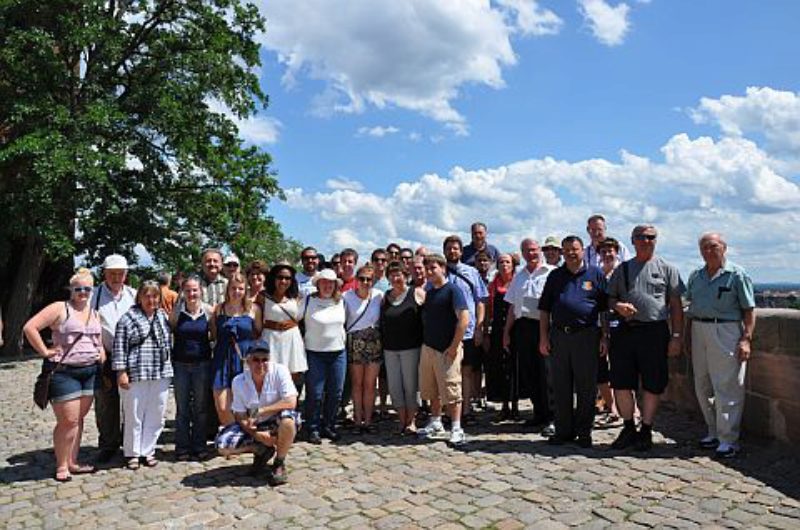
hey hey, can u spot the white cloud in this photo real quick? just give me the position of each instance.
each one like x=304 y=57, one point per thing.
x=342 y=183
x=609 y=24
x=762 y=110
x=730 y=184
x=415 y=55
x=414 y=136
x=378 y=131
x=256 y=130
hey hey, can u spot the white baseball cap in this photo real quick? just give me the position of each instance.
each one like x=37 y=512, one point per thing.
x=231 y=258
x=115 y=261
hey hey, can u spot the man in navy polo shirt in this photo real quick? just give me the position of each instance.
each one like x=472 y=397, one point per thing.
x=573 y=297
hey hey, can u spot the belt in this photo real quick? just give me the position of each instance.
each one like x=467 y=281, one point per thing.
x=716 y=320
x=571 y=329
x=639 y=324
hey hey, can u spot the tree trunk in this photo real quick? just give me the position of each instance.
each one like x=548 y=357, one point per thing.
x=20 y=299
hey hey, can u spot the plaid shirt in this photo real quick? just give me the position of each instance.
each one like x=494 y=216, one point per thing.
x=141 y=351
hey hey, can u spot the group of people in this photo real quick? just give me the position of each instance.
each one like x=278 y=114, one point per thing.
x=555 y=323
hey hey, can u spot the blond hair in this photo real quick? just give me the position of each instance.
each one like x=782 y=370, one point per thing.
x=238 y=277
x=82 y=275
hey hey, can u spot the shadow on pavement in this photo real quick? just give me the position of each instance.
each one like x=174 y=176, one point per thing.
x=233 y=475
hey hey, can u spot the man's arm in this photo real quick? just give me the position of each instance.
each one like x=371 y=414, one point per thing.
x=749 y=322
x=544 y=332
x=676 y=327
x=480 y=312
x=458 y=336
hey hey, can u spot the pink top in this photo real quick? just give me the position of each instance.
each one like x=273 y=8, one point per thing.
x=87 y=349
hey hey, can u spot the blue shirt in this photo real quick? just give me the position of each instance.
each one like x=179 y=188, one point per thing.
x=574 y=300
x=439 y=315
x=469 y=253
x=723 y=297
x=469 y=281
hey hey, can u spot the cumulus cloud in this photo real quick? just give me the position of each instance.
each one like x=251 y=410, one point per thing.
x=609 y=24
x=415 y=55
x=730 y=184
x=341 y=183
x=378 y=131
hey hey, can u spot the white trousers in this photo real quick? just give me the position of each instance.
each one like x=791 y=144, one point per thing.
x=719 y=377
x=144 y=405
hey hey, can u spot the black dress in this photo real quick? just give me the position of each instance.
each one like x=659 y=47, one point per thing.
x=501 y=364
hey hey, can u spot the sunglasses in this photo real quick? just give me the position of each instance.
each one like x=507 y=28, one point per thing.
x=364 y=279
x=381 y=260
x=306 y=258
x=257 y=359
x=282 y=277
x=82 y=289
x=645 y=237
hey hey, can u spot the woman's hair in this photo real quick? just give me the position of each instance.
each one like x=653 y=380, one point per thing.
x=191 y=278
x=610 y=242
x=293 y=291
x=257 y=267
x=237 y=277
x=393 y=267
x=337 y=291
x=367 y=267
x=82 y=275
x=148 y=287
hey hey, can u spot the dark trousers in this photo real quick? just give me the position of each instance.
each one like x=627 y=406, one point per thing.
x=574 y=365
x=532 y=373
x=106 y=411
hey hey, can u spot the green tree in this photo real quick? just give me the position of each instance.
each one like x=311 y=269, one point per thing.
x=108 y=138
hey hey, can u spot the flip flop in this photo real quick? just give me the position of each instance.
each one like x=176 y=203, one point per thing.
x=150 y=461
x=83 y=469
x=132 y=463
x=62 y=476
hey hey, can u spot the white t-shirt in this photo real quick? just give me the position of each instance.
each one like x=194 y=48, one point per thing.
x=277 y=386
x=110 y=309
x=324 y=320
x=356 y=307
x=526 y=289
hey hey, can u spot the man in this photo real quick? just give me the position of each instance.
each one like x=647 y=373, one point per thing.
x=467 y=279
x=572 y=299
x=596 y=228
x=212 y=283
x=168 y=296
x=483 y=264
x=406 y=258
x=230 y=266
x=379 y=261
x=521 y=333
x=111 y=299
x=478 y=244
x=393 y=251
x=309 y=258
x=552 y=251
x=349 y=258
x=421 y=252
x=264 y=399
x=722 y=318
x=445 y=318
x=418 y=275
x=645 y=292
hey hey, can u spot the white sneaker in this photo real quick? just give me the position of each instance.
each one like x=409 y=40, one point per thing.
x=434 y=430
x=458 y=437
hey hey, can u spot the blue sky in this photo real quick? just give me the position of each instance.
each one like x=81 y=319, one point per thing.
x=406 y=120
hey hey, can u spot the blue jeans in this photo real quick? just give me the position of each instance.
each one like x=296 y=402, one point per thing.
x=192 y=383
x=326 y=371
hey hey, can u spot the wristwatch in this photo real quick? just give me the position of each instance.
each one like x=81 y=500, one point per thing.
x=676 y=335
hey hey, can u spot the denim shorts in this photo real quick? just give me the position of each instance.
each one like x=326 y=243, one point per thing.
x=73 y=382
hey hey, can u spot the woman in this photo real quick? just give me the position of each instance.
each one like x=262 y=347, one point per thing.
x=324 y=317
x=141 y=359
x=191 y=362
x=608 y=417
x=281 y=316
x=256 y=273
x=364 y=350
x=501 y=365
x=401 y=332
x=235 y=323
x=77 y=344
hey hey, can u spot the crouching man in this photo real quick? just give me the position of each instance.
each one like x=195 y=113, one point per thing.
x=264 y=401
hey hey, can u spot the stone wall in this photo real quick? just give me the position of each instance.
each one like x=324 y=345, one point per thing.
x=772 y=407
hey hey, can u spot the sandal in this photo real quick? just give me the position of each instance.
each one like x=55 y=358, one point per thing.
x=62 y=476
x=82 y=469
x=132 y=463
x=150 y=461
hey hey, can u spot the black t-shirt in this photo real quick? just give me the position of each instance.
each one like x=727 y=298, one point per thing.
x=439 y=317
x=574 y=299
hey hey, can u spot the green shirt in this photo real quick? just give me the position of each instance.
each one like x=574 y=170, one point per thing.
x=724 y=296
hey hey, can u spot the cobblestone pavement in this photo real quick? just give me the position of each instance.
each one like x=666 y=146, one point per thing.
x=504 y=479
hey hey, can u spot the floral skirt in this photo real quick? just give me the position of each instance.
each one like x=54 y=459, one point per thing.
x=364 y=346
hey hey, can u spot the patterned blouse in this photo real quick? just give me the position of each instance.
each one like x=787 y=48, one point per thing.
x=142 y=346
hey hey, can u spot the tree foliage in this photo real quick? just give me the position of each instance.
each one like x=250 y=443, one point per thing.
x=108 y=137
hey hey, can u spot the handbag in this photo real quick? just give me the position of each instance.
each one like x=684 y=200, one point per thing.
x=41 y=389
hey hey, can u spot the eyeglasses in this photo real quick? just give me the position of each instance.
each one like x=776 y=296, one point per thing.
x=82 y=289
x=364 y=279
x=282 y=277
x=644 y=237
x=257 y=359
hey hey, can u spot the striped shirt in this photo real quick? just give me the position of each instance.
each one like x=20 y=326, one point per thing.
x=142 y=346
x=213 y=292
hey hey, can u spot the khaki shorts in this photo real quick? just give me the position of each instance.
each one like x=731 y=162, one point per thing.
x=439 y=377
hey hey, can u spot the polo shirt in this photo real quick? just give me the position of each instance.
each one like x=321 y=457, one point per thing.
x=350 y=284
x=277 y=386
x=650 y=285
x=469 y=281
x=526 y=289
x=469 y=252
x=724 y=296
x=574 y=300
x=440 y=315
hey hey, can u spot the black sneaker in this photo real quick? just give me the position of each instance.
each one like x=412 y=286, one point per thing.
x=314 y=438
x=708 y=443
x=626 y=438
x=549 y=430
x=330 y=434
x=260 y=459
x=279 y=474
x=726 y=451
x=584 y=442
x=644 y=440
